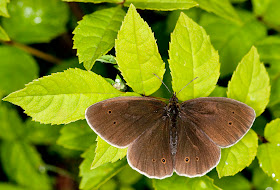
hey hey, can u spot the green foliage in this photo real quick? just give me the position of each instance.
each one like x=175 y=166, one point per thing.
x=176 y=182
x=191 y=53
x=269 y=153
x=137 y=54
x=96 y=33
x=35 y=21
x=240 y=39
x=239 y=156
x=105 y=153
x=252 y=76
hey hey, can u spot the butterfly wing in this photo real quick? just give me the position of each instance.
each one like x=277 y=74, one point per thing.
x=151 y=153
x=225 y=121
x=196 y=153
x=121 y=120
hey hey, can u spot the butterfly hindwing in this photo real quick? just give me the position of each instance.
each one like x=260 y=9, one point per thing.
x=121 y=120
x=225 y=121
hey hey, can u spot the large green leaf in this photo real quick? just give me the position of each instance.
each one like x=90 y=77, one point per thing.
x=250 y=82
x=176 y=182
x=11 y=126
x=95 y=1
x=21 y=162
x=262 y=181
x=63 y=97
x=240 y=155
x=16 y=69
x=191 y=54
x=137 y=54
x=232 y=40
x=269 y=153
x=3 y=35
x=268 y=49
x=95 y=35
x=221 y=8
x=77 y=136
x=35 y=21
x=93 y=179
x=268 y=11
x=3 y=8
x=163 y=5
x=10 y=186
x=105 y=153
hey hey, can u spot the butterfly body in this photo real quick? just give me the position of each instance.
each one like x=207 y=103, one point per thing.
x=162 y=138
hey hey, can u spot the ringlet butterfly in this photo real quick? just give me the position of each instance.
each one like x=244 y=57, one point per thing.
x=161 y=138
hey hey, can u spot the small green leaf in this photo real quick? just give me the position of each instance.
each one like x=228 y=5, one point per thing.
x=21 y=162
x=95 y=35
x=221 y=8
x=191 y=54
x=163 y=5
x=11 y=126
x=105 y=153
x=76 y=136
x=250 y=82
x=107 y=59
x=93 y=179
x=63 y=97
x=237 y=157
x=232 y=40
x=269 y=153
x=3 y=8
x=37 y=133
x=267 y=10
x=176 y=182
x=95 y=1
x=137 y=54
x=16 y=68
x=268 y=49
x=3 y=35
x=36 y=21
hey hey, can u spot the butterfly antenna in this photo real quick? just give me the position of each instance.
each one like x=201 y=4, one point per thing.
x=187 y=85
x=163 y=83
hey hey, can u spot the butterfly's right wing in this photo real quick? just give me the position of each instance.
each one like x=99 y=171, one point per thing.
x=121 y=120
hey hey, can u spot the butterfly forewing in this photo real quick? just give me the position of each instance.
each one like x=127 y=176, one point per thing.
x=121 y=120
x=196 y=153
x=223 y=120
x=150 y=154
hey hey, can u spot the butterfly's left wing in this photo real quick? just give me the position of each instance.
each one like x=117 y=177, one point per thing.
x=225 y=121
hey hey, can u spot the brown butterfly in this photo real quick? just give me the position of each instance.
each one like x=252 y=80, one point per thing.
x=162 y=138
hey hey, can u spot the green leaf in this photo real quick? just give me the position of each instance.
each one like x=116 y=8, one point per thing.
x=237 y=157
x=250 y=82
x=237 y=181
x=9 y=186
x=21 y=162
x=269 y=153
x=269 y=49
x=163 y=5
x=176 y=182
x=3 y=35
x=267 y=10
x=63 y=97
x=11 y=126
x=107 y=59
x=76 y=136
x=95 y=1
x=221 y=8
x=219 y=91
x=37 y=133
x=262 y=181
x=95 y=35
x=35 y=21
x=16 y=68
x=128 y=176
x=3 y=8
x=93 y=179
x=137 y=54
x=232 y=40
x=105 y=153
x=237 y=1
x=190 y=55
